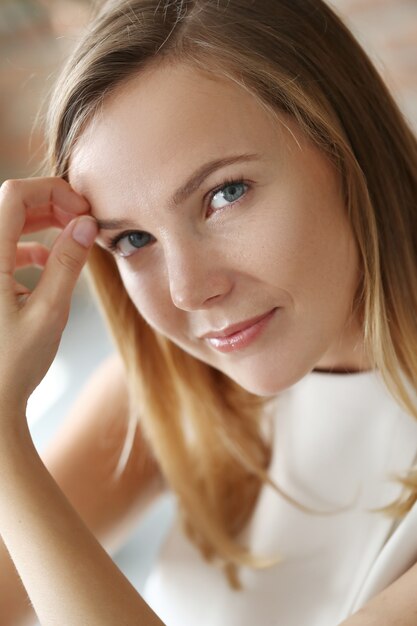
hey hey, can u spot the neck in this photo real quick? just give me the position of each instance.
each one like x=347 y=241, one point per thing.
x=339 y=370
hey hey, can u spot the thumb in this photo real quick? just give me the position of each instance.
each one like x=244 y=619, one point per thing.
x=65 y=262
x=84 y=231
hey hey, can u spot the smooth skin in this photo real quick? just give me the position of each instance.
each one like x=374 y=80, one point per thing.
x=38 y=525
x=198 y=262
x=41 y=529
x=82 y=459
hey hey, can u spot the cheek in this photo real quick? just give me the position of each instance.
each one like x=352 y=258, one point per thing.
x=147 y=294
x=328 y=272
x=308 y=250
x=282 y=246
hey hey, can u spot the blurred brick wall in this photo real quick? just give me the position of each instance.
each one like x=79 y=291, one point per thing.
x=35 y=35
x=387 y=29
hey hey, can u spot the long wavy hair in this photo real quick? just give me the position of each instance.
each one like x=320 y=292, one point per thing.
x=297 y=57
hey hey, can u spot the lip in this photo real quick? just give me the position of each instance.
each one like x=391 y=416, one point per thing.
x=234 y=328
x=239 y=335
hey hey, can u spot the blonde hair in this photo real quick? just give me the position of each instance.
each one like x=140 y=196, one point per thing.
x=296 y=57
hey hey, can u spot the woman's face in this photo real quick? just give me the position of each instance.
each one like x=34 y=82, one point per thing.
x=223 y=215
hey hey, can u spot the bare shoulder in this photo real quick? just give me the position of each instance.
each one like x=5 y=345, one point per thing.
x=83 y=457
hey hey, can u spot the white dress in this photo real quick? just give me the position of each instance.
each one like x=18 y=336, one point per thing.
x=337 y=438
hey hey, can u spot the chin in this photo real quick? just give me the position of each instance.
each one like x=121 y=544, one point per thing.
x=269 y=384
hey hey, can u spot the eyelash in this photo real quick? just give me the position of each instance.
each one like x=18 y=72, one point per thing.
x=112 y=245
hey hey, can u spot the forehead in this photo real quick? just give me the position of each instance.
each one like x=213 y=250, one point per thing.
x=163 y=124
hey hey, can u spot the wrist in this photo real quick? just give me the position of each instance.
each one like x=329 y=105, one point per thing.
x=14 y=429
x=13 y=396
x=18 y=460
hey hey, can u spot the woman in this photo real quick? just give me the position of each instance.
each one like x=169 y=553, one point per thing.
x=253 y=190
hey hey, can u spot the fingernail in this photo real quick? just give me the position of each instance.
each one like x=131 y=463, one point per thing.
x=85 y=231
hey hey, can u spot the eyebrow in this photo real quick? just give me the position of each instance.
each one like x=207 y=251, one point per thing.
x=189 y=187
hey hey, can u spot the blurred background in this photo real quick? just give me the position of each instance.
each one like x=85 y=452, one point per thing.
x=35 y=38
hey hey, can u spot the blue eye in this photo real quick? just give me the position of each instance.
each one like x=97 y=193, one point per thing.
x=127 y=243
x=230 y=192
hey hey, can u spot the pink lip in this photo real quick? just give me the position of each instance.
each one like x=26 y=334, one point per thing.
x=239 y=335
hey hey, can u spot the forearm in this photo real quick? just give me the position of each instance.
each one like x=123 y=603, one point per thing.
x=15 y=605
x=68 y=576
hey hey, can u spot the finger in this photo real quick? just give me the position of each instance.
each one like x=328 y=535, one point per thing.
x=41 y=218
x=31 y=253
x=40 y=222
x=22 y=199
x=22 y=294
x=64 y=265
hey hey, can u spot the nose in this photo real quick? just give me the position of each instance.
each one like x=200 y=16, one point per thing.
x=197 y=275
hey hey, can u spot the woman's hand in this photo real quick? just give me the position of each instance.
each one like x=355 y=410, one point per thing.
x=31 y=324
x=69 y=577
